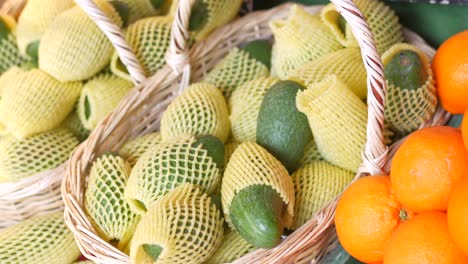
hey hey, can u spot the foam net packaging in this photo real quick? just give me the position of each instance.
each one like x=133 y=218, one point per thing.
x=185 y=224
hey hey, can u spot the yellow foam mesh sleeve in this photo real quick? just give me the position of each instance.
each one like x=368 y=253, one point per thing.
x=316 y=184
x=20 y=158
x=84 y=262
x=382 y=21
x=345 y=63
x=34 y=102
x=406 y=110
x=138 y=9
x=73 y=123
x=43 y=239
x=99 y=97
x=36 y=17
x=149 y=39
x=134 y=149
x=184 y=223
x=166 y=166
x=299 y=39
x=105 y=202
x=73 y=48
x=338 y=119
x=234 y=70
x=233 y=247
x=311 y=153
x=201 y=109
x=251 y=164
x=9 y=77
x=244 y=106
x=9 y=52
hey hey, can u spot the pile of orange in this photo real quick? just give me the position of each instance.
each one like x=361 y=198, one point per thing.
x=419 y=213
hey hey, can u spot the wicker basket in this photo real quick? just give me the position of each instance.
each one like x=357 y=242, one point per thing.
x=140 y=113
x=40 y=193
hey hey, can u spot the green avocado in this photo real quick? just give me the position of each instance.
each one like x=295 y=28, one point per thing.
x=256 y=212
x=33 y=51
x=213 y=146
x=122 y=9
x=4 y=29
x=259 y=50
x=153 y=251
x=198 y=16
x=281 y=128
x=405 y=70
x=342 y=24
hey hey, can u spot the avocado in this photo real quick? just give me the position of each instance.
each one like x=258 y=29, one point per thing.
x=405 y=70
x=342 y=24
x=157 y=3
x=122 y=9
x=281 y=128
x=256 y=212
x=152 y=250
x=198 y=16
x=213 y=146
x=33 y=51
x=4 y=29
x=259 y=50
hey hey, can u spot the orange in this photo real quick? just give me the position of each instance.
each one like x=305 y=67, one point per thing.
x=450 y=67
x=427 y=166
x=457 y=213
x=423 y=239
x=464 y=127
x=366 y=216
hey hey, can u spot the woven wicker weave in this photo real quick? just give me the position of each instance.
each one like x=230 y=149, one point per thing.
x=40 y=193
x=141 y=113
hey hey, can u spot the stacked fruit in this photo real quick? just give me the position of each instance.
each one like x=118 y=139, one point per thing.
x=57 y=84
x=418 y=213
x=262 y=142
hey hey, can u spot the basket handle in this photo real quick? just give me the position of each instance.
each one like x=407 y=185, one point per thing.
x=116 y=37
x=375 y=152
x=178 y=55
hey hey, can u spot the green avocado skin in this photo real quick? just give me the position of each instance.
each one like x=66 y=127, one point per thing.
x=152 y=250
x=4 y=29
x=256 y=212
x=259 y=50
x=281 y=128
x=213 y=146
x=339 y=256
x=122 y=9
x=198 y=16
x=405 y=70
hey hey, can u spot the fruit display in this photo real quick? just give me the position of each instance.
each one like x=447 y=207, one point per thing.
x=417 y=213
x=267 y=138
x=59 y=78
x=248 y=152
